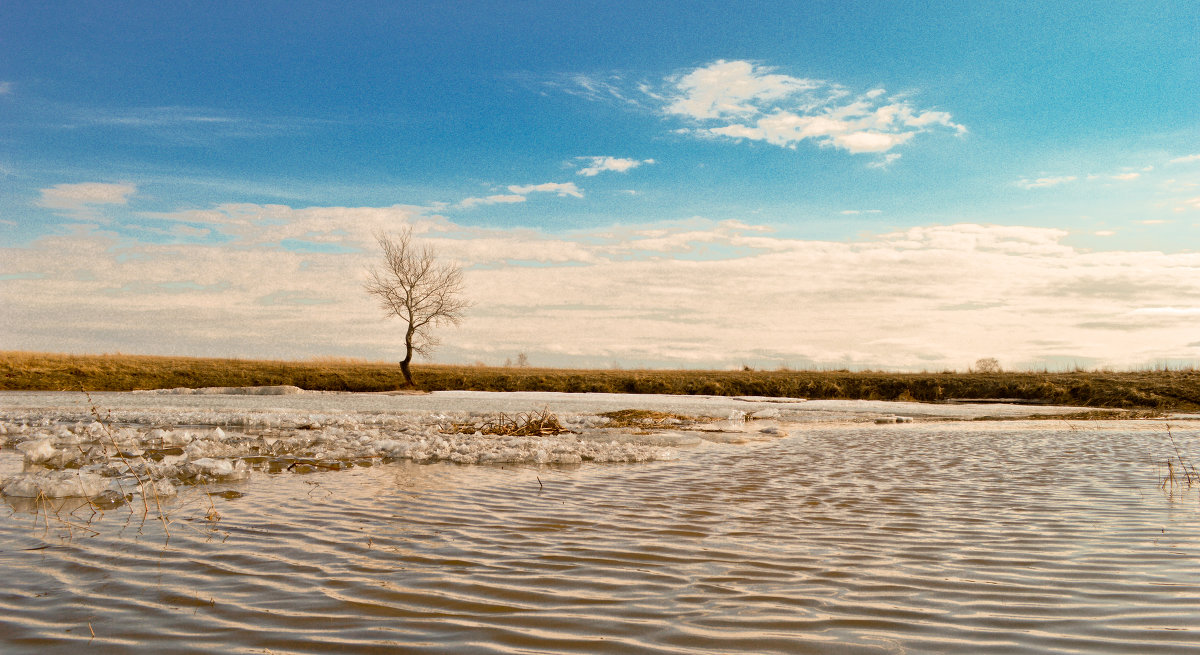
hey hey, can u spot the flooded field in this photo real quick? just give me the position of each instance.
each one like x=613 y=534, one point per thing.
x=809 y=527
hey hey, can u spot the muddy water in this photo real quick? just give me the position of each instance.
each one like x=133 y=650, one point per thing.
x=1006 y=537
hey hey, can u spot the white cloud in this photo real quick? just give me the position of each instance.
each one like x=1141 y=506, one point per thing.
x=517 y=194
x=74 y=197
x=731 y=88
x=561 y=188
x=597 y=165
x=1104 y=233
x=6 y=88
x=468 y=203
x=679 y=293
x=1186 y=159
x=739 y=100
x=593 y=87
x=248 y=225
x=1166 y=311
x=885 y=161
x=1125 y=177
x=1044 y=182
x=187 y=231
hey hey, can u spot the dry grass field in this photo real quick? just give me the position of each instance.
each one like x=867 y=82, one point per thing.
x=1147 y=390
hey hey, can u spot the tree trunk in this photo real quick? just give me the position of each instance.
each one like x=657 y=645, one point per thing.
x=408 y=353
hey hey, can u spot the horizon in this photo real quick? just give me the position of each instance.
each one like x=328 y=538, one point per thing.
x=1153 y=367
x=888 y=186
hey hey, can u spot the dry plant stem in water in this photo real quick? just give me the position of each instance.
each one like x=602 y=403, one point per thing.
x=143 y=487
x=530 y=424
x=1187 y=470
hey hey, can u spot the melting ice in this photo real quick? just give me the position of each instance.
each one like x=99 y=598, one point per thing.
x=154 y=441
x=66 y=453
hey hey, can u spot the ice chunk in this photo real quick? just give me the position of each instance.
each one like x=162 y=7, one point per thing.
x=223 y=469
x=38 y=451
x=661 y=438
x=163 y=489
x=55 y=484
x=203 y=448
x=175 y=438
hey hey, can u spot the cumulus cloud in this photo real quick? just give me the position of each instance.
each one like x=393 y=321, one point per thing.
x=732 y=88
x=686 y=293
x=563 y=189
x=1186 y=159
x=6 y=88
x=741 y=100
x=75 y=197
x=596 y=165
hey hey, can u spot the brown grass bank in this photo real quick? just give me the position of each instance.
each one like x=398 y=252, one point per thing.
x=1157 y=390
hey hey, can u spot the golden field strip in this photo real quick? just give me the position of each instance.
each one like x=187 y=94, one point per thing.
x=1143 y=390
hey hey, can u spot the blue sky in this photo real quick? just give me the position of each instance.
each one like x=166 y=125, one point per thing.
x=887 y=184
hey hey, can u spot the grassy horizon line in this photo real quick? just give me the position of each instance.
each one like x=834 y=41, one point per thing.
x=1160 y=389
x=782 y=368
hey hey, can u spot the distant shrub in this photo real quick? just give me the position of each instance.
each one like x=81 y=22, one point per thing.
x=987 y=365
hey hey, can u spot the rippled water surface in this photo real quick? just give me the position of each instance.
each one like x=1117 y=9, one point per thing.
x=1030 y=537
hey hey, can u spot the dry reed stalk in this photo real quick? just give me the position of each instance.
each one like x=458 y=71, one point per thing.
x=1188 y=470
x=141 y=484
x=528 y=424
x=44 y=507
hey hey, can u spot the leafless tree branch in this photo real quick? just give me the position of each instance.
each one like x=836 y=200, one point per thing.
x=415 y=287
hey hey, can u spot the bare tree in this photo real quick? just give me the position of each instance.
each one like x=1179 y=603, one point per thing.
x=987 y=365
x=415 y=287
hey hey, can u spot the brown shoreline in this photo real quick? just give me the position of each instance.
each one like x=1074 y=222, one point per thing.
x=1144 y=390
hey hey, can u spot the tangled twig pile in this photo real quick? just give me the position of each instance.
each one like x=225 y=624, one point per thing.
x=526 y=424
